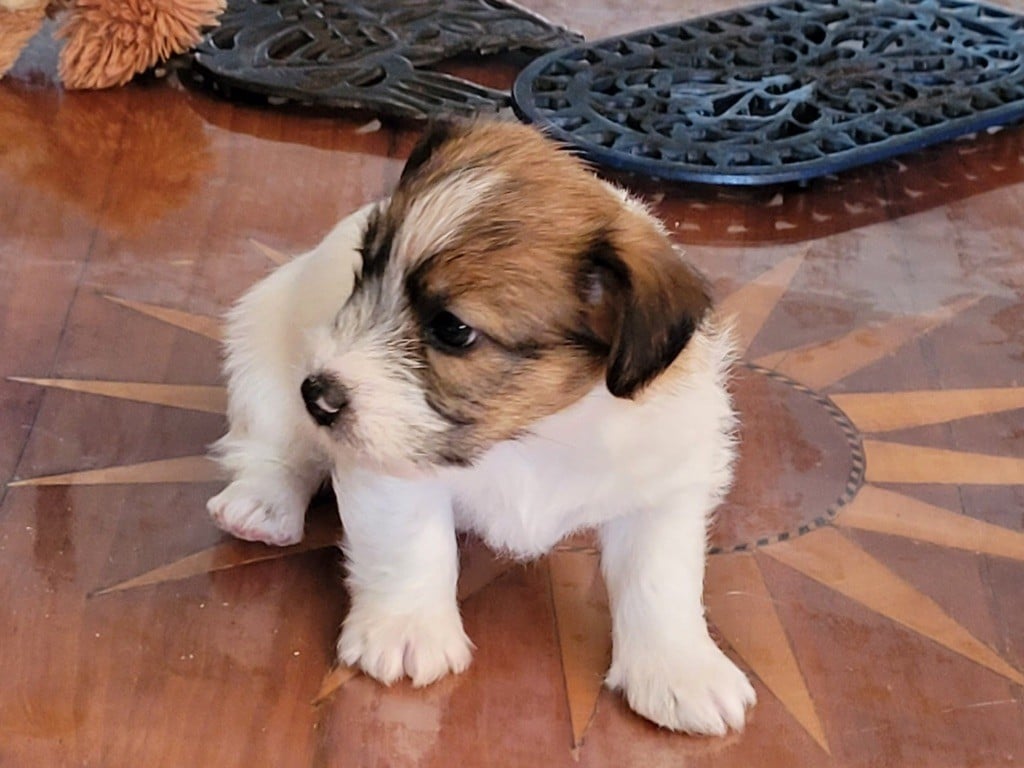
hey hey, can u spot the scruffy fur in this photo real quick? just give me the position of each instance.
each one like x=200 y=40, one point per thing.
x=507 y=345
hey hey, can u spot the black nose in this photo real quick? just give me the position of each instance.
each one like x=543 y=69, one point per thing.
x=325 y=398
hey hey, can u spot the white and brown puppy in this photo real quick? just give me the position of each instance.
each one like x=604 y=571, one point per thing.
x=506 y=345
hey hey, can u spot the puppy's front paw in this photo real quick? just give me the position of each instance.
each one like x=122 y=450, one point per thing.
x=423 y=646
x=272 y=513
x=698 y=691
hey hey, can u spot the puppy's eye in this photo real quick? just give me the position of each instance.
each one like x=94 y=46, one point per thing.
x=449 y=332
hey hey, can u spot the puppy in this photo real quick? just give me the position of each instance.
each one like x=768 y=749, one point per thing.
x=507 y=345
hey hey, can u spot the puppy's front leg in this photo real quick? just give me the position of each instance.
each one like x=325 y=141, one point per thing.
x=663 y=658
x=402 y=573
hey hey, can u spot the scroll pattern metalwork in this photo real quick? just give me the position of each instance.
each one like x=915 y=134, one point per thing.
x=368 y=55
x=783 y=91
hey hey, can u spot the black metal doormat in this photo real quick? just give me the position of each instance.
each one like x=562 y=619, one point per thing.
x=368 y=55
x=784 y=91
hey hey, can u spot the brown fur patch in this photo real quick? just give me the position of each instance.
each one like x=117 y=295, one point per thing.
x=562 y=280
x=664 y=305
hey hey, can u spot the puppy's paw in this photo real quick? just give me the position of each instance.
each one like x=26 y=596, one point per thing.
x=423 y=647
x=699 y=691
x=272 y=513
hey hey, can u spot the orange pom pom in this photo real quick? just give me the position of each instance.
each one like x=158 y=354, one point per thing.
x=16 y=28
x=110 y=41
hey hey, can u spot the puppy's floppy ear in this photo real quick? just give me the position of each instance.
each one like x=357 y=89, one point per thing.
x=643 y=301
x=437 y=133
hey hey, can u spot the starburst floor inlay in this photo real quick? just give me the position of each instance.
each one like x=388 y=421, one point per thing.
x=800 y=484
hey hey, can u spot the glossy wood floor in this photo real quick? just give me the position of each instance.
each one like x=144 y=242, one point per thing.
x=868 y=569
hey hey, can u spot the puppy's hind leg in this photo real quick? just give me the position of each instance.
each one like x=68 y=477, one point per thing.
x=271 y=488
x=270 y=450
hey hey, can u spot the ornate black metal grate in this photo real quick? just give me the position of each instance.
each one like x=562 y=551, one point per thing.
x=783 y=91
x=368 y=55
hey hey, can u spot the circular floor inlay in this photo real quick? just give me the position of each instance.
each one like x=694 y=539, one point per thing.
x=800 y=460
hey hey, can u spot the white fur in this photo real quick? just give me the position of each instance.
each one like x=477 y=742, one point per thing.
x=646 y=472
x=271 y=448
x=437 y=213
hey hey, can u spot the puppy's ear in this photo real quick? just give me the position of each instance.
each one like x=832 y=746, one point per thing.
x=643 y=303
x=437 y=133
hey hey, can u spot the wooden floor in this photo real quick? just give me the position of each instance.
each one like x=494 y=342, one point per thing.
x=869 y=565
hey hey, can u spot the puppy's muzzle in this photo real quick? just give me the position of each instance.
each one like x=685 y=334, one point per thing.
x=325 y=398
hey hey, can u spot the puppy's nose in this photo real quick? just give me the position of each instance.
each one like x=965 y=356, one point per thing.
x=325 y=398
